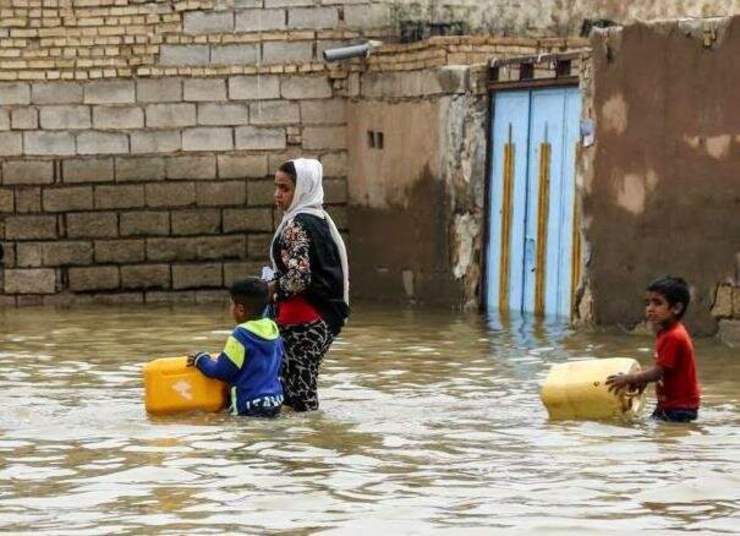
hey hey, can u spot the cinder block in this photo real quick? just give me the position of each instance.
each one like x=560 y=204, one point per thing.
x=41 y=143
x=184 y=55
x=67 y=253
x=205 y=296
x=97 y=142
x=27 y=199
x=191 y=167
x=197 y=275
x=170 y=297
x=177 y=194
x=313 y=18
x=240 y=4
x=31 y=281
x=305 y=87
x=119 y=196
x=258 y=245
x=201 y=248
x=92 y=224
x=275 y=160
x=221 y=193
x=222 y=114
x=94 y=278
x=247 y=219
x=231 y=166
x=325 y=138
x=146 y=276
x=289 y=3
x=4 y=119
x=287 y=52
x=335 y=164
x=88 y=170
x=207 y=139
x=162 y=141
x=233 y=271
x=65 y=117
x=170 y=115
x=24 y=118
x=56 y=93
x=254 y=87
x=205 y=89
x=241 y=54
x=261 y=193
x=159 y=90
x=11 y=144
x=274 y=113
x=66 y=199
x=14 y=93
x=119 y=251
x=145 y=223
x=110 y=92
x=117 y=117
x=30 y=227
x=28 y=172
x=196 y=222
x=139 y=168
x=204 y=22
x=29 y=254
x=7 y=203
x=260 y=20
x=335 y=190
x=318 y=112
x=368 y=16
x=257 y=138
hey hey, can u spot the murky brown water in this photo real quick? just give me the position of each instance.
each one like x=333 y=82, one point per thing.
x=430 y=424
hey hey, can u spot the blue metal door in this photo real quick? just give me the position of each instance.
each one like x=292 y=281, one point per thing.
x=532 y=256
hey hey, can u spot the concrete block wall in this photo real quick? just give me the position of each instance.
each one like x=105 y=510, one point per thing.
x=154 y=189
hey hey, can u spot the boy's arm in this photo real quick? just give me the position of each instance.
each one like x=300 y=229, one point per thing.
x=219 y=367
x=619 y=382
x=226 y=365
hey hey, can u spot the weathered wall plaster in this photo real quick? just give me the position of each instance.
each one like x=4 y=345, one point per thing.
x=664 y=193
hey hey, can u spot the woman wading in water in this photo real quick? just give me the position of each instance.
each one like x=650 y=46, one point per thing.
x=311 y=285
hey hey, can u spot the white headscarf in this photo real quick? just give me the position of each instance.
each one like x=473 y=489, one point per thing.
x=308 y=198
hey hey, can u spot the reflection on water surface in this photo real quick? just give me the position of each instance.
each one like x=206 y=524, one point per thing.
x=430 y=424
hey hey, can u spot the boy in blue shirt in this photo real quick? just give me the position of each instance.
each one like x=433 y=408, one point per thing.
x=250 y=360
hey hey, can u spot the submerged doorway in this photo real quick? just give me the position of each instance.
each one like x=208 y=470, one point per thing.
x=533 y=253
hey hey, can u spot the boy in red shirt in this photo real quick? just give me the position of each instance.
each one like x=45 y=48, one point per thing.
x=674 y=371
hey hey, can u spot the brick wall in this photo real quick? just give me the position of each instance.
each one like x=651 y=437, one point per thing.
x=138 y=140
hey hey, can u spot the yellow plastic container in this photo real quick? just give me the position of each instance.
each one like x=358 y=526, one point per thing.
x=170 y=387
x=578 y=390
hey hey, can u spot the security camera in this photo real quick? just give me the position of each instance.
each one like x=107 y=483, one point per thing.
x=352 y=51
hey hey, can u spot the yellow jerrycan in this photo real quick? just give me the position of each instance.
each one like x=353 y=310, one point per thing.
x=170 y=387
x=578 y=390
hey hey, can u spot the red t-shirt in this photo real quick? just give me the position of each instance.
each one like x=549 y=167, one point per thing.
x=674 y=352
x=296 y=310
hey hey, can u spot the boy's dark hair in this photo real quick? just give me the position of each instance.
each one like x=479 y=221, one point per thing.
x=674 y=290
x=289 y=169
x=252 y=293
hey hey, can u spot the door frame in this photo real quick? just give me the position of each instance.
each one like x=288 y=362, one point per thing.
x=495 y=87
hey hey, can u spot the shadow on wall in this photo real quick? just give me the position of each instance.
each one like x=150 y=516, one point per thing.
x=401 y=253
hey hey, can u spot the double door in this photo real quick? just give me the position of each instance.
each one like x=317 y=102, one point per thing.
x=533 y=250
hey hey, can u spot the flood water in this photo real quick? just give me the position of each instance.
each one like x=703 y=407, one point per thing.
x=430 y=423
